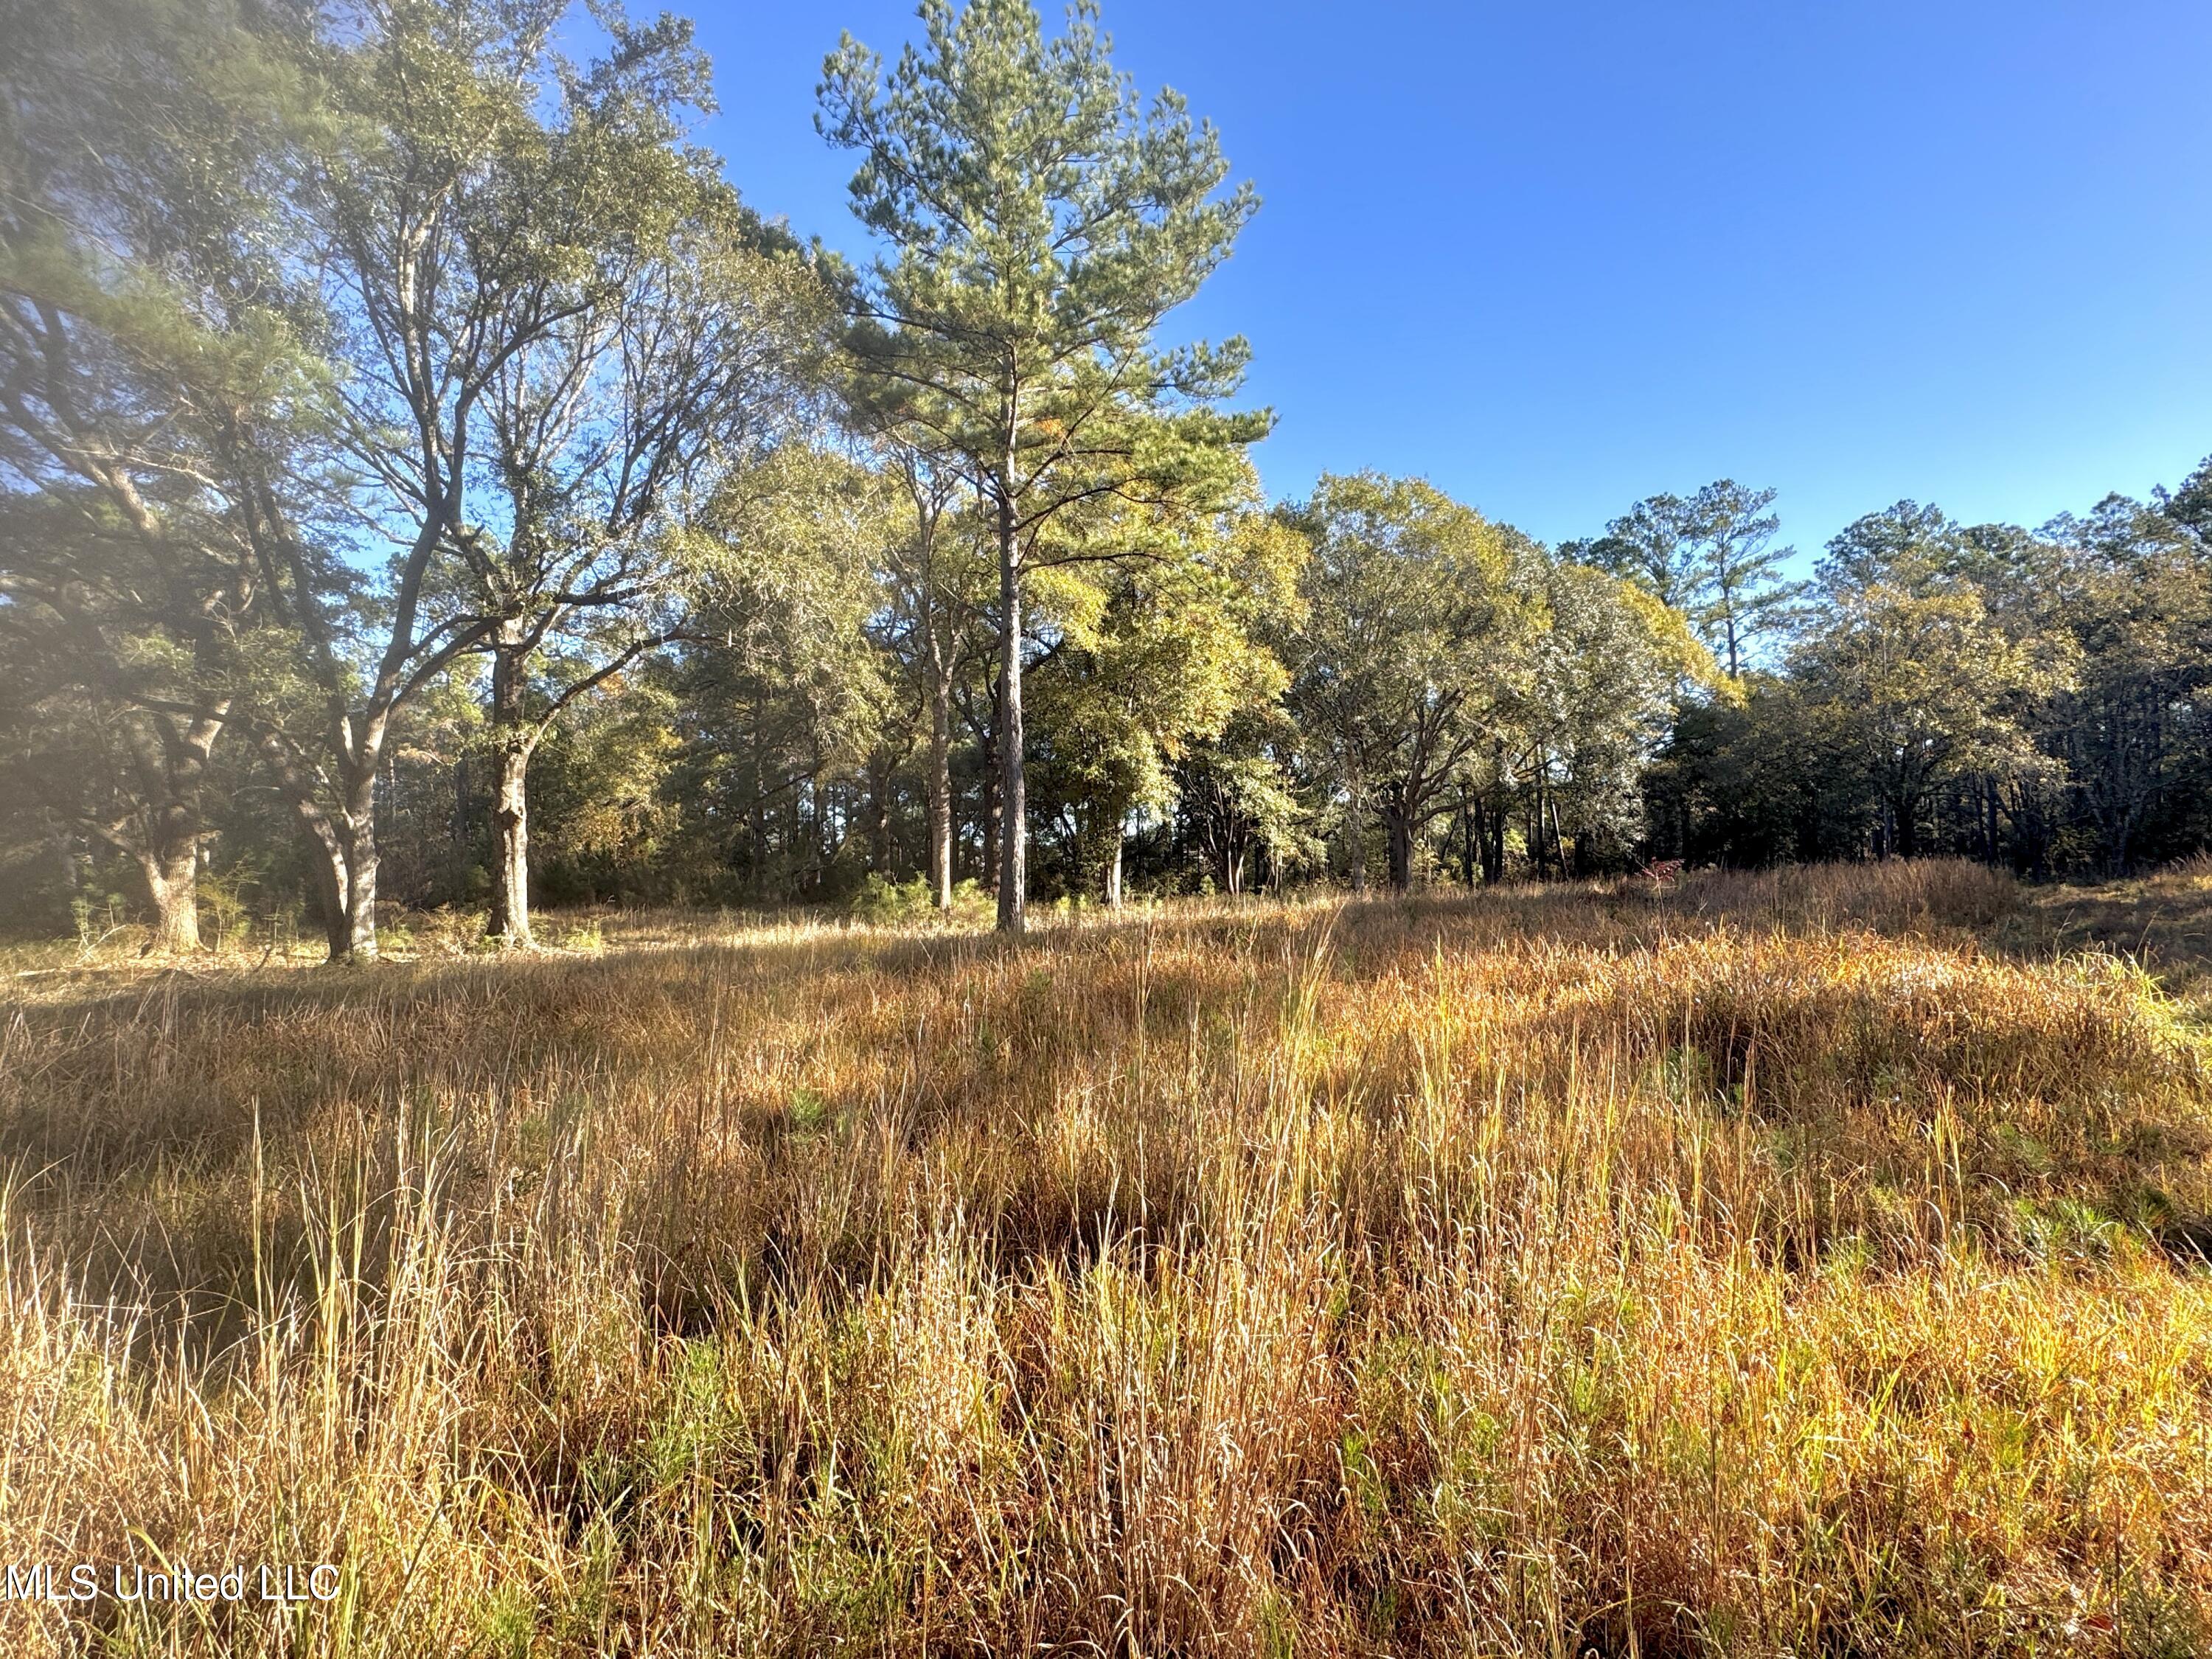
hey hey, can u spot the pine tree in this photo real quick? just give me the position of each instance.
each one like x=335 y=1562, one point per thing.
x=1040 y=224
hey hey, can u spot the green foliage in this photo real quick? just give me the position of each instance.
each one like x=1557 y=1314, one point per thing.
x=1156 y=654
x=1918 y=689
x=1446 y=663
x=888 y=902
x=150 y=330
x=1239 y=802
x=1041 y=223
x=2032 y=696
x=1415 y=635
x=1710 y=557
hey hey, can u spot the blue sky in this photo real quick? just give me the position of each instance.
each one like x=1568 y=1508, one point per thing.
x=1559 y=256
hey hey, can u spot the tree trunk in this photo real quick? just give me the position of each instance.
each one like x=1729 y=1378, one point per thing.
x=357 y=834
x=987 y=811
x=512 y=741
x=1400 y=821
x=882 y=850
x=65 y=850
x=1908 y=827
x=330 y=859
x=173 y=882
x=1113 y=868
x=1219 y=835
x=330 y=867
x=940 y=790
x=510 y=889
x=1013 y=799
x=172 y=764
x=1357 y=822
x=809 y=830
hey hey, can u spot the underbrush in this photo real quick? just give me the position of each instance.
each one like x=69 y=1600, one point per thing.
x=914 y=901
x=1756 y=1267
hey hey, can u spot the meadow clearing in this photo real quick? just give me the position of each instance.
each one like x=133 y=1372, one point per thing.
x=1805 y=1263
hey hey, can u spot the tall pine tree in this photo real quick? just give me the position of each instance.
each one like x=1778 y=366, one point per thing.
x=1041 y=223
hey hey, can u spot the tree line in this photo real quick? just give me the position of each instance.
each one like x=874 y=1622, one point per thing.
x=2035 y=699
x=426 y=481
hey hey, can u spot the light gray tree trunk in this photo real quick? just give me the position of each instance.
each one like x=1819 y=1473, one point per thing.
x=330 y=879
x=940 y=787
x=171 y=760
x=357 y=835
x=509 y=921
x=172 y=874
x=1013 y=799
x=510 y=890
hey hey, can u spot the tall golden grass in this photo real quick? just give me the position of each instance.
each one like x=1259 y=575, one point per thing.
x=1768 y=1266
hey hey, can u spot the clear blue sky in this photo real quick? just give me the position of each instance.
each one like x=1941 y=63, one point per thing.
x=1557 y=256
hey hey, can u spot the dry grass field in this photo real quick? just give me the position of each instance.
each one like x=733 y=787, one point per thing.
x=1782 y=1265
